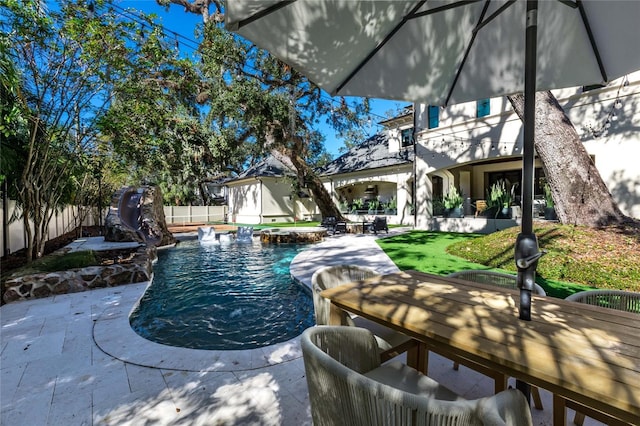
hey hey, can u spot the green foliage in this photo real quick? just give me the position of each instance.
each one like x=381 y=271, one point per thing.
x=65 y=85
x=63 y=262
x=548 y=198
x=499 y=196
x=453 y=199
x=357 y=204
x=374 y=204
x=393 y=203
x=438 y=206
x=580 y=255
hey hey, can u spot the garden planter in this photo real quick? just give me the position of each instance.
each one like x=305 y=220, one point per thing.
x=550 y=213
x=456 y=212
x=504 y=213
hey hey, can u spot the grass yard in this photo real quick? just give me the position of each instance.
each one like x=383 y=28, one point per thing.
x=578 y=258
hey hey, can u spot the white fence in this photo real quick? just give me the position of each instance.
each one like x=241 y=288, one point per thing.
x=195 y=214
x=65 y=221
x=68 y=219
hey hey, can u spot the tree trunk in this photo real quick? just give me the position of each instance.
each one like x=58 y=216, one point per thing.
x=306 y=176
x=579 y=193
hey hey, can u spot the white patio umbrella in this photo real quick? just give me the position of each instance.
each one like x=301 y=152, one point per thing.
x=442 y=52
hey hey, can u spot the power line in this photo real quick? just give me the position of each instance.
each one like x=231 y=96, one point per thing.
x=194 y=45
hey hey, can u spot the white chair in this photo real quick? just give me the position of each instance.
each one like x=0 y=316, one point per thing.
x=390 y=342
x=244 y=234
x=620 y=300
x=500 y=280
x=348 y=386
x=207 y=235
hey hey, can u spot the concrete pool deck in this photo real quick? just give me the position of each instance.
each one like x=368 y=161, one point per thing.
x=73 y=360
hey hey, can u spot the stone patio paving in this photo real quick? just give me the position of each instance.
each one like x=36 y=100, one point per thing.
x=73 y=360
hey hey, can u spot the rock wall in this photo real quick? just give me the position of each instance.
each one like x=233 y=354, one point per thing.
x=137 y=269
x=291 y=235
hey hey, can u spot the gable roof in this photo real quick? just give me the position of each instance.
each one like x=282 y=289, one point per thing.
x=269 y=167
x=371 y=154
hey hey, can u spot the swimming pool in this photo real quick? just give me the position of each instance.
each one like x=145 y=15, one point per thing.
x=227 y=296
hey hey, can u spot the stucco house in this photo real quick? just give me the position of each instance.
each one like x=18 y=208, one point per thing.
x=473 y=145
x=264 y=194
x=469 y=146
x=374 y=178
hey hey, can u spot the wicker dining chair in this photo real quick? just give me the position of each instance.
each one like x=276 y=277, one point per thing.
x=494 y=278
x=390 y=342
x=620 y=300
x=348 y=386
x=501 y=280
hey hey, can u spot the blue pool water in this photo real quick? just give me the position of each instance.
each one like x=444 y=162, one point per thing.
x=229 y=296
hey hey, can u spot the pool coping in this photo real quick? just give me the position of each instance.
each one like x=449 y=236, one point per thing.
x=113 y=334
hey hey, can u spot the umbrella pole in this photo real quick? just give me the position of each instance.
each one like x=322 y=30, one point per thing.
x=526 y=250
x=527 y=244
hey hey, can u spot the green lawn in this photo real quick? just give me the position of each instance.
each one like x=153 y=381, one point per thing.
x=427 y=252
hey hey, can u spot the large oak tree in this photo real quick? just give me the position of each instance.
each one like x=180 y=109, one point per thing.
x=579 y=193
x=261 y=106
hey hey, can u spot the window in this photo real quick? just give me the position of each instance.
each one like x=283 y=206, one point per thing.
x=482 y=108
x=515 y=176
x=434 y=116
x=407 y=137
x=437 y=187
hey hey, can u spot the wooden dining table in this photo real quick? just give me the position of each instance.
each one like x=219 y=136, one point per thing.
x=585 y=355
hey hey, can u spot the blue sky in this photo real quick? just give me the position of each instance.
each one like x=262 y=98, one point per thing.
x=177 y=21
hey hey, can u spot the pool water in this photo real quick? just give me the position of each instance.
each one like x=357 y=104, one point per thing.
x=228 y=296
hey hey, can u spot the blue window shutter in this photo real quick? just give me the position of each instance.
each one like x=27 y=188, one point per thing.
x=434 y=116
x=482 y=108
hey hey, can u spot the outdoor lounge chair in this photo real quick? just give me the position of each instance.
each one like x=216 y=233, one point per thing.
x=348 y=386
x=328 y=222
x=333 y=225
x=620 y=300
x=500 y=280
x=244 y=234
x=379 y=224
x=207 y=235
x=390 y=342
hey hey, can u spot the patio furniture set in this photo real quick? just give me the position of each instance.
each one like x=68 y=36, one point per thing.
x=376 y=225
x=469 y=317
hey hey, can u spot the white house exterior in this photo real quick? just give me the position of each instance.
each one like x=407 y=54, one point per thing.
x=471 y=146
x=264 y=194
x=379 y=169
x=467 y=151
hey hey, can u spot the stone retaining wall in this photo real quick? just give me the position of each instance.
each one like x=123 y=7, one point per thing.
x=138 y=268
x=292 y=235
